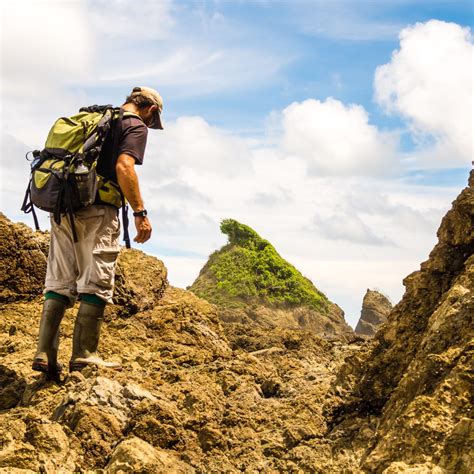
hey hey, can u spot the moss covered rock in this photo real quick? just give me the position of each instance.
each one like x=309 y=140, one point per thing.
x=250 y=282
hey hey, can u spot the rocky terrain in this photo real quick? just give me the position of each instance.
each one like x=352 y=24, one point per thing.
x=187 y=400
x=375 y=309
x=196 y=396
x=406 y=400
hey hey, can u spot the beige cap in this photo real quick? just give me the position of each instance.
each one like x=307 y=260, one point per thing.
x=154 y=97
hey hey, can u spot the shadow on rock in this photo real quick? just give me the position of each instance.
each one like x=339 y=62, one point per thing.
x=12 y=387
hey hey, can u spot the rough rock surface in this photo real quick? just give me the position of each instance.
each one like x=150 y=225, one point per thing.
x=186 y=398
x=136 y=455
x=412 y=389
x=140 y=281
x=375 y=309
x=260 y=399
x=23 y=256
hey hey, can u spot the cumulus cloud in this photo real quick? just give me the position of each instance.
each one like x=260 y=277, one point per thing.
x=348 y=227
x=179 y=191
x=42 y=39
x=429 y=82
x=272 y=198
x=46 y=47
x=336 y=139
x=192 y=144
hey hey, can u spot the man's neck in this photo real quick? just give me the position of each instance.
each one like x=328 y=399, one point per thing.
x=131 y=108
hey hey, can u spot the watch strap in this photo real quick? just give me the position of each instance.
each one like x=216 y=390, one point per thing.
x=142 y=213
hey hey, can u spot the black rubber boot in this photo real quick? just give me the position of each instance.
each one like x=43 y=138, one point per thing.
x=86 y=338
x=46 y=357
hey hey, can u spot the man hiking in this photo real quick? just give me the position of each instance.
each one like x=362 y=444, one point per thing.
x=81 y=260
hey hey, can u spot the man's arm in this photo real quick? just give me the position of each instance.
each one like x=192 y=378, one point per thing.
x=128 y=181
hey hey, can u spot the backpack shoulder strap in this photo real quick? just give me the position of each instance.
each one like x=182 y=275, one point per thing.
x=96 y=108
x=116 y=137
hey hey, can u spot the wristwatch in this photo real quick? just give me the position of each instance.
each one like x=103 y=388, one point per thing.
x=141 y=213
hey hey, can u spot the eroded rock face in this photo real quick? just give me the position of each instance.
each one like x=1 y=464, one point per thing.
x=417 y=376
x=136 y=455
x=23 y=255
x=140 y=281
x=375 y=309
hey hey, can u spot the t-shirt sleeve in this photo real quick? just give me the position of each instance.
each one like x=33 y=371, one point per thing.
x=133 y=141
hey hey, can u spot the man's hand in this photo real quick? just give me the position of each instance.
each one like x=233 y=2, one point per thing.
x=143 y=226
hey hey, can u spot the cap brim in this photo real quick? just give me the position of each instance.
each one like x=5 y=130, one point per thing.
x=157 y=123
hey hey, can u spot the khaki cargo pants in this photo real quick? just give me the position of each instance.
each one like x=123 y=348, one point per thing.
x=87 y=266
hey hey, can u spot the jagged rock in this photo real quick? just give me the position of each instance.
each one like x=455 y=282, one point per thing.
x=417 y=375
x=140 y=281
x=375 y=309
x=402 y=467
x=12 y=387
x=253 y=285
x=109 y=395
x=136 y=455
x=33 y=443
x=22 y=261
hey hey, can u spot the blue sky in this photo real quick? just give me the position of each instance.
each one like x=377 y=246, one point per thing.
x=340 y=130
x=314 y=64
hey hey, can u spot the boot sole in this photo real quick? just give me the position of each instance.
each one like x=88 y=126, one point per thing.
x=74 y=367
x=41 y=366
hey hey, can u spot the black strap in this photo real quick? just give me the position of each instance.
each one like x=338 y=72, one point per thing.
x=58 y=207
x=126 y=236
x=70 y=211
x=115 y=146
x=116 y=134
x=28 y=206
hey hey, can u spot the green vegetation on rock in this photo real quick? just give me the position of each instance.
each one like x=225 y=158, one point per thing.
x=249 y=269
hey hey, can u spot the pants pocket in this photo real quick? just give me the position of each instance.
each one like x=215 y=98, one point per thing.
x=104 y=267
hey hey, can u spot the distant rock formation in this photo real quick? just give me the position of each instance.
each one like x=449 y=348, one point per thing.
x=253 y=285
x=375 y=309
x=409 y=397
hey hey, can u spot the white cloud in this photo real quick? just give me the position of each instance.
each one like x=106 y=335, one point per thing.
x=429 y=82
x=335 y=139
x=192 y=144
x=46 y=47
x=347 y=226
x=178 y=190
x=38 y=48
x=345 y=281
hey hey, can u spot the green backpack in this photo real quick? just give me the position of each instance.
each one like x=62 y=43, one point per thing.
x=64 y=179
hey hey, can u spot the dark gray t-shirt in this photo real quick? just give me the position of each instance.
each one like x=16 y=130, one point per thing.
x=132 y=141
